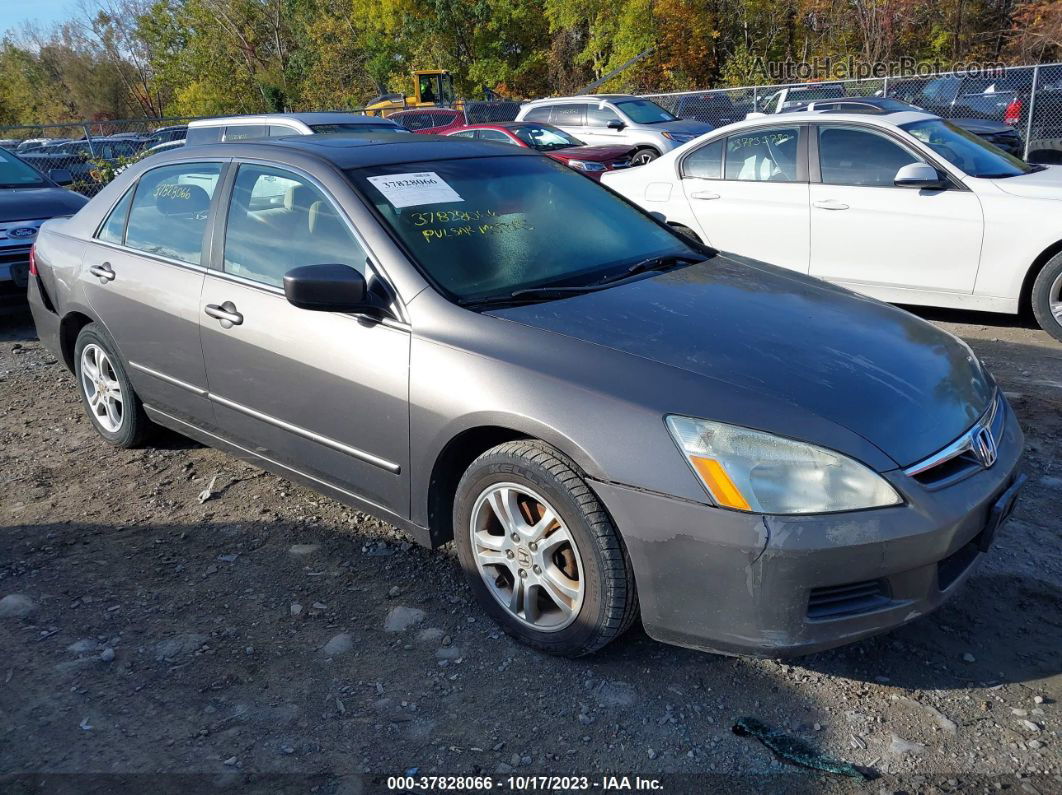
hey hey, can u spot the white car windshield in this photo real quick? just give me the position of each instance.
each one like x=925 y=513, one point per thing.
x=968 y=152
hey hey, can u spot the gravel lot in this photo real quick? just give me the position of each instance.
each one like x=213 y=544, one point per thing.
x=270 y=630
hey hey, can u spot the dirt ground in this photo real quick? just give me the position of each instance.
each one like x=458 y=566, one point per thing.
x=270 y=630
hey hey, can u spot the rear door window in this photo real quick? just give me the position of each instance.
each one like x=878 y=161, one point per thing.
x=763 y=155
x=170 y=210
x=570 y=115
x=244 y=132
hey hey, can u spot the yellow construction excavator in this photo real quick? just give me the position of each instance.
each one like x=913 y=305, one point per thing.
x=432 y=88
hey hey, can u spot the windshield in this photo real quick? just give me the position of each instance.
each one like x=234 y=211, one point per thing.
x=486 y=227
x=642 y=111
x=545 y=138
x=348 y=128
x=16 y=174
x=963 y=149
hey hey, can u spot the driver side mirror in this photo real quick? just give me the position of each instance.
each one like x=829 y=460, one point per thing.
x=61 y=176
x=919 y=175
x=330 y=288
x=616 y=124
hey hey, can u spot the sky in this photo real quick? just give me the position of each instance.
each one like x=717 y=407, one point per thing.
x=44 y=12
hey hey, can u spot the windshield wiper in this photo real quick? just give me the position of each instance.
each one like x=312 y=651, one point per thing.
x=532 y=294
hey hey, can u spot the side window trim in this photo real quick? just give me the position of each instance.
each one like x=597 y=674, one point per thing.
x=220 y=223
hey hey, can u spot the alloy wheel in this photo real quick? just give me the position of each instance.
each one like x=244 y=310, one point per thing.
x=1054 y=299
x=527 y=557
x=103 y=391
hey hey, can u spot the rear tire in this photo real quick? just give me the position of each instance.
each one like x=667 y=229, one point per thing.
x=111 y=403
x=1046 y=297
x=566 y=586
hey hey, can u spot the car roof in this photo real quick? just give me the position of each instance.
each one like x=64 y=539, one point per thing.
x=347 y=151
x=895 y=119
x=322 y=117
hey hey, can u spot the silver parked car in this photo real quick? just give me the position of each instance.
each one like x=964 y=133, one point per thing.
x=616 y=119
x=475 y=343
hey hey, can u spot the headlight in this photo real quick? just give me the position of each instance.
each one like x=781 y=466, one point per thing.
x=753 y=471
x=678 y=138
x=586 y=165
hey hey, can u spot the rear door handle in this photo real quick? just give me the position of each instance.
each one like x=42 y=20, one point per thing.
x=704 y=194
x=831 y=204
x=226 y=314
x=104 y=272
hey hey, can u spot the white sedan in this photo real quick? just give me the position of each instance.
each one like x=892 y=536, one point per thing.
x=904 y=207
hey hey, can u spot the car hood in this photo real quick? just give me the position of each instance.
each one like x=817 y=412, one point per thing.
x=880 y=372
x=683 y=127
x=24 y=204
x=600 y=154
x=1045 y=184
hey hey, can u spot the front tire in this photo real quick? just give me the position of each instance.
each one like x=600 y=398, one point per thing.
x=111 y=403
x=643 y=156
x=1047 y=297
x=540 y=552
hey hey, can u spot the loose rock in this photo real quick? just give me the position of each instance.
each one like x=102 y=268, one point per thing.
x=402 y=618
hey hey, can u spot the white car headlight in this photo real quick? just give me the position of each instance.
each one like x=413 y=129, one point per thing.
x=586 y=165
x=758 y=472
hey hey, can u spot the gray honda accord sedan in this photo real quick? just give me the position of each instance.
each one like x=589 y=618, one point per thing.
x=475 y=343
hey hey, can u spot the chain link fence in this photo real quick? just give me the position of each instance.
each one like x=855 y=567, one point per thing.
x=1017 y=108
x=86 y=155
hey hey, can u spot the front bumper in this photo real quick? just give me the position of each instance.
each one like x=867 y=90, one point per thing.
x=14 y=265
x=776 y=586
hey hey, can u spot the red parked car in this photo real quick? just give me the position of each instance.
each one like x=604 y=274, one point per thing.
x=430 y=121
x=593 y=161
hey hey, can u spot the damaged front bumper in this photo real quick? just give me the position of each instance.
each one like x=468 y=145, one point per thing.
x=774 y=586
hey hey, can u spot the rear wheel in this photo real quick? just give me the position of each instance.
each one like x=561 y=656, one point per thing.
x=1047 y=297
x=540 y=552
x=110 y=402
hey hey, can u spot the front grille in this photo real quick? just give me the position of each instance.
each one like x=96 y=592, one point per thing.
x=837 y=601
x=14 y=255
x=958 y=460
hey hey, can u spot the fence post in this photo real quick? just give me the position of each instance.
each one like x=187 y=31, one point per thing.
x=1032 y=109
x=88 y=137
x=885 y=87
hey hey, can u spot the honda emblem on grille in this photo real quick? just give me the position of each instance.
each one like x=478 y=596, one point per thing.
x=983 y=444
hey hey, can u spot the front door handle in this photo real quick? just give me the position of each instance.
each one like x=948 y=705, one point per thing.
x=831 y=204
x=704 y=194
x=226 y=314
x=104 y=272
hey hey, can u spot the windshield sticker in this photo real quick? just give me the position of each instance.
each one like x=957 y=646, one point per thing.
x=410 y=190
